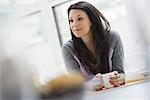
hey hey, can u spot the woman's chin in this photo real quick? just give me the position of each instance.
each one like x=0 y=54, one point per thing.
x=78 y=36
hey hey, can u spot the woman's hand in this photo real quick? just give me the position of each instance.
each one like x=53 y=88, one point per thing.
x=95 y=84
x=117 y=79
x=98 y=82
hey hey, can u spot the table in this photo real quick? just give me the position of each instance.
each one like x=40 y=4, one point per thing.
x=138 y=91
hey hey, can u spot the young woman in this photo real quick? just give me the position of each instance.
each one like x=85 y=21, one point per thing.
x=94 y=49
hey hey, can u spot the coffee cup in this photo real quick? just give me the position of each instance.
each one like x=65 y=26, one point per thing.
x=106 y=80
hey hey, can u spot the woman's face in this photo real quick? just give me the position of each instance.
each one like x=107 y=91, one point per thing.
x=79 y=22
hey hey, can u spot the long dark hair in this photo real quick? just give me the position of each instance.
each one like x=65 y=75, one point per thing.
x=100 y=31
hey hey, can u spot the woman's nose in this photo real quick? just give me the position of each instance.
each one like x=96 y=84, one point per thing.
x=75 y=24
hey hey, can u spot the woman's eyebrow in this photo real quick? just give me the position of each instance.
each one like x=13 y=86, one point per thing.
x=76 y=16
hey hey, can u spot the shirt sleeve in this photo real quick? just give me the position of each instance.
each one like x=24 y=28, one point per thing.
x=118 y=55
x=68 y=55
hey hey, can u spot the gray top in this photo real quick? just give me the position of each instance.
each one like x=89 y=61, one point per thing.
x=116 y=56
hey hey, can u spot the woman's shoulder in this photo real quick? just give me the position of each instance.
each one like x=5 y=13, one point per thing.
x=68 y=46
x=114 y=37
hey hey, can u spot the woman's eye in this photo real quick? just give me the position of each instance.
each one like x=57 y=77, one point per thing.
x=80 y=18
x=70 y=21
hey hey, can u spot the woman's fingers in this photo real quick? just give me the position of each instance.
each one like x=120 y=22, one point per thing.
x=97 y=80
x=99 y=87
x=98 y=75
x=117 y=79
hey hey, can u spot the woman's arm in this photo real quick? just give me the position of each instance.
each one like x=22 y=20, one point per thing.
x=118 y=56
x=68 y=55
x=118 y=62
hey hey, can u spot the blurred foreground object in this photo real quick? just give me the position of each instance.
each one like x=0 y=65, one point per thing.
x=15 y=75
x=16 y=81
x=64 y=87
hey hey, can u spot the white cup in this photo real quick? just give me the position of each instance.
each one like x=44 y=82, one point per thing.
x=106 y=79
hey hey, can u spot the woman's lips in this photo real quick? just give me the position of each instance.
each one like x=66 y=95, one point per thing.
x=77 y=30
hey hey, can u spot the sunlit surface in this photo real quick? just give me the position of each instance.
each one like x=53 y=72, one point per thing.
x=138 y=91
